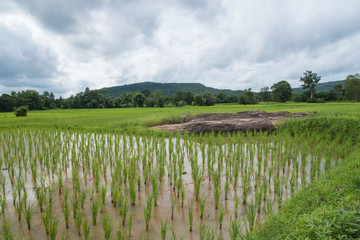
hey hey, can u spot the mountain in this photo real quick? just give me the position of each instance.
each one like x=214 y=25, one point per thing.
x=322 y=87
x=167 y=88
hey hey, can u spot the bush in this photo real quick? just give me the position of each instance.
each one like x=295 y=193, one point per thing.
x=181 y=104
x=21 y=111
x=311 y=100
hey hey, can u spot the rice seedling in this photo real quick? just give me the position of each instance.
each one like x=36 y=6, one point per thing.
x=173 y=233
x=78 y=221
x=82 y=199
x=147 y=212
x=86 y=228
x=60 y=181
x=66 y=208
x=258 y=199
x=269 y=204
x=107 y=226
x=236 y=204
x=103 y=196
x=182 y=195
x=94 y=208
x=191 y=217
x=75 y=205
x=53 y=228
x=155 y=187
x=206 y=232
x=19 y=209
x=47 y=220
x=139 y=183
x=251 y=216
x=6 y=230
x=221 y=216
x=163 y=229
x=202 y=207
x=245 y=188
x=132 y=191
x=130 y=224
x=235 y=228
x=28 y=213
x=2 y=206
x=120 y=234
x=226 y=189
x=124 y=211
x=172 y=205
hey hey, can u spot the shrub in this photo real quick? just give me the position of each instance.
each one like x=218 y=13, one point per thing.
x=181 y=104
x=320 y=100
x=311 y=100
x=21 y=111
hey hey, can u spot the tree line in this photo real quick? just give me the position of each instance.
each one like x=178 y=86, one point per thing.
x=278 y=92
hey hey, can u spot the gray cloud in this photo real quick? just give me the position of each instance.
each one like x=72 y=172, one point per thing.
x=224 y=44
x=24 y=63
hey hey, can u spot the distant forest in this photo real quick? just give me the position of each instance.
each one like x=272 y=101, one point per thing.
x=166 y=88
x=150 y=94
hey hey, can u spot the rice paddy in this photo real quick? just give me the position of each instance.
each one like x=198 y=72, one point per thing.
x=65 y=184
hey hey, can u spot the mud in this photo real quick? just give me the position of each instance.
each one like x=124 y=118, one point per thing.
x=229 y=122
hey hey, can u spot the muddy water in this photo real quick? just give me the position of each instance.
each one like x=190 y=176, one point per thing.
x=64 y=147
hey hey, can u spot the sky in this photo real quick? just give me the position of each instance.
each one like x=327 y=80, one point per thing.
x=64 y=46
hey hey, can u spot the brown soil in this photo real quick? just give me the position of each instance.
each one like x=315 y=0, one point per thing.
x=227 y=122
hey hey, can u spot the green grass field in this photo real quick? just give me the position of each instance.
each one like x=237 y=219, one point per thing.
x=124 y=119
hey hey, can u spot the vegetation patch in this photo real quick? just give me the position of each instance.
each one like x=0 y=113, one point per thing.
x=328 y=209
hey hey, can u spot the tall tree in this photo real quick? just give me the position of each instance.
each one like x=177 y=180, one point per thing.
x=281 y=91
x=247 y=97
x=352 y=87
x=310 y=80
x=138 y=99
x=7 y=103
x=338 y=90
x=265 y=94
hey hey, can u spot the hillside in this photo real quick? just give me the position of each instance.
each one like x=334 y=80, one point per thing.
x=322 y=87
x=167 y=88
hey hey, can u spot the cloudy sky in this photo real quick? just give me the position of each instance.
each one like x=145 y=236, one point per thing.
x=64 y=46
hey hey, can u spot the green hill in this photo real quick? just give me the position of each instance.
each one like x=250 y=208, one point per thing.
x=167 y=88
x=321 y=87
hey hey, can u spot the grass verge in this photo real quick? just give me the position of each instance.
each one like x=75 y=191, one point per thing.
x=329 y=208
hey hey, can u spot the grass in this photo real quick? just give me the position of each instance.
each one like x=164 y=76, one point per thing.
x=329 y=209
x=138 y=119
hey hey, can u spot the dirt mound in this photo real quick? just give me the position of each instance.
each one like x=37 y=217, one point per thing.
x=224 y=122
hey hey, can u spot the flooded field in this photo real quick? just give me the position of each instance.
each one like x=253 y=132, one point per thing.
x=72 y=185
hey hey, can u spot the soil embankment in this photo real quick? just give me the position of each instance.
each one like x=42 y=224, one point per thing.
x=225 y=122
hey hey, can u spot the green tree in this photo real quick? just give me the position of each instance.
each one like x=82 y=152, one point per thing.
x=199 y=100
x=125 y=100
x=146 y=92
x=188 y=97
x=221 y=97
x=209 y=99
x=310 y=80
x=281 y=91
x=265 y=94
x=7 y=103
x=352 y=87
x=339 y=91
x=247 y=97
x=138 y=99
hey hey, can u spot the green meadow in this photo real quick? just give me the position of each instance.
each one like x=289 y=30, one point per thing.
x=103 y=174
x=133 y=119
